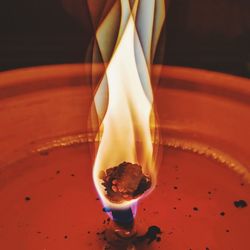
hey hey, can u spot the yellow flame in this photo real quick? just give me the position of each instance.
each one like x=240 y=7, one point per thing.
x=128 y=120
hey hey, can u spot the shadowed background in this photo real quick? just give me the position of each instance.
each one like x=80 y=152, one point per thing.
x=207 y=34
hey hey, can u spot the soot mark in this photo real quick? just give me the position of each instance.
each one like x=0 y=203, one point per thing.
x=240 y=204
x=151 y=235
x=27 y=198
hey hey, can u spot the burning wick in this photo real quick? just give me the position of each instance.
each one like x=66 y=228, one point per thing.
x=123 y=107
x=124 y=182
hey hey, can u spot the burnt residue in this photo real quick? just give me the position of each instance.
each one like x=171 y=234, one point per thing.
x=222 y=213
x=153 y=234
x=240 y=203
x=27 y=198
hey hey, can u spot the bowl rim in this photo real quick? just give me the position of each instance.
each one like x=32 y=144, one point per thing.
x=189 y=79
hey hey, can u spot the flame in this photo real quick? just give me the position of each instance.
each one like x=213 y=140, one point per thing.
x=124 y=99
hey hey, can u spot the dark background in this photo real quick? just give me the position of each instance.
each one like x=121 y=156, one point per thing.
x=209 y=34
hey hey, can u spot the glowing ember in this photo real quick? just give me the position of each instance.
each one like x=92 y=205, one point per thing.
x=125 y=182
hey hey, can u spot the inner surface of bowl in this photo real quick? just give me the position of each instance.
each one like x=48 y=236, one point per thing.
x=198 y=110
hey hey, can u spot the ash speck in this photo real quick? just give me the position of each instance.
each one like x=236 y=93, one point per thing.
x=240 y=204
x=27 y=198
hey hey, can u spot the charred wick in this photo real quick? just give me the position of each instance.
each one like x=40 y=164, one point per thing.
x=125 y=182
x=123 y=218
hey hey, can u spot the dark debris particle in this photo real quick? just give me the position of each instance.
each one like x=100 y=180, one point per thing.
x=65 y=237
x=195 y=208
x=227 y=231
x=174 y=208
x=58 y=172
x=209 y=192
x=242 y=184
x=158 y=239
x=38 y=232
x=240 y=204
x=222 y=213
x=175 y=187
x=97 y=199
x=72 y=175
x=207 y=248
x=88 y=232
x=152 y=233
x=27 y=198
